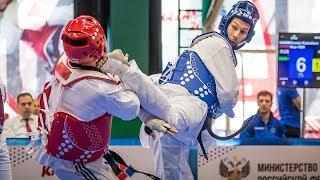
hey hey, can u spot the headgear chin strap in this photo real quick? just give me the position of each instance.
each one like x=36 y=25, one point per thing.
x=246 y=11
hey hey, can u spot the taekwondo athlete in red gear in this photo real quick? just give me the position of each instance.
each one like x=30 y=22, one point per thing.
x=5 y=165
x=79 y=104
x=202 y=84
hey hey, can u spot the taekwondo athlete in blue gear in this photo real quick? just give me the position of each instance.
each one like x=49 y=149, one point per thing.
x=201 y=84
x=5 y=165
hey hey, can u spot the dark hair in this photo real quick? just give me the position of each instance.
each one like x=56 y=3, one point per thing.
x=265 y=93
x=23 y=94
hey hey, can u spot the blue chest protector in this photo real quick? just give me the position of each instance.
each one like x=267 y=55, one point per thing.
x=191 y=73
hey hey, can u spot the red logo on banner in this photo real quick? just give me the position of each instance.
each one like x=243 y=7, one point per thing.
x=234 y=168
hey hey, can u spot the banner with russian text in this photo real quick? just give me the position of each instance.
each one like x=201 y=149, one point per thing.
x=261 y=162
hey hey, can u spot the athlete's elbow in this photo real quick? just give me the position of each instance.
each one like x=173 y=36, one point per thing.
x=131 y=113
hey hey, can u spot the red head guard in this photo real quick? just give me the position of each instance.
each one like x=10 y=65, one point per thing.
x=84 y=40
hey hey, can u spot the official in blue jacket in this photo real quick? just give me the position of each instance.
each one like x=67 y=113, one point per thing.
x=264 y=124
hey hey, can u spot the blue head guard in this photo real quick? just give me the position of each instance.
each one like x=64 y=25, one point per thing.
x=247 y=12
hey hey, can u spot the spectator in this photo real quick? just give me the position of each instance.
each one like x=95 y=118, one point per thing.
x=36 y=107
x=264 y=124
x=25 y=122
x=289 y=107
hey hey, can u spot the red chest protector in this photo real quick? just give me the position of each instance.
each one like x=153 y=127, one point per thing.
x=69 y=138
x=78 y=141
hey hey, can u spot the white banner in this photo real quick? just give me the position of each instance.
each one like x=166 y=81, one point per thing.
x=24 y=167
x=261 y=162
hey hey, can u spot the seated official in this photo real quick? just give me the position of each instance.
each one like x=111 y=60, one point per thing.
x=23 y=124
x=264 y=124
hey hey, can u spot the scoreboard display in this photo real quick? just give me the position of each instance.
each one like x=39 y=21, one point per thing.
x=299 y=60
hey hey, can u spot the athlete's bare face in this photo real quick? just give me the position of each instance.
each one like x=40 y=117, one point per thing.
x=237 y=31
